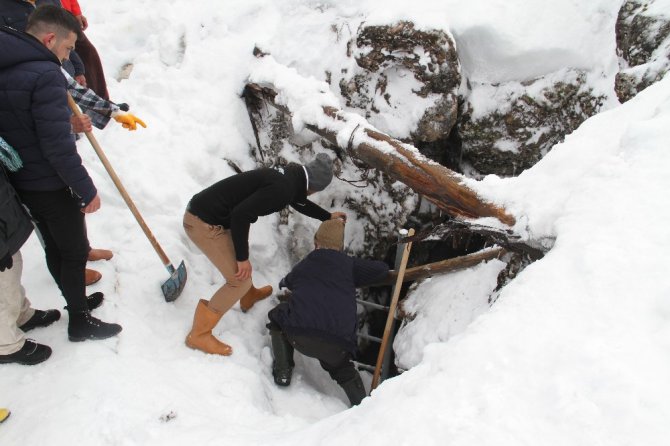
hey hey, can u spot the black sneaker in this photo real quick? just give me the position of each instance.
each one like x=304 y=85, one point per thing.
x=93 y=301
x=41 y=319
x=83 y=326
x=30 y=354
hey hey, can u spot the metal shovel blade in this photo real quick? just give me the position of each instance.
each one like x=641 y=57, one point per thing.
x=173 y=287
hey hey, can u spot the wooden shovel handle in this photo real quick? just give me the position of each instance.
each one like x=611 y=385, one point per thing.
x=122 y=190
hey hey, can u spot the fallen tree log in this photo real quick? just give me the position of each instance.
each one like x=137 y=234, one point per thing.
x=443 y=266
x=507 y=239
x=402 y=162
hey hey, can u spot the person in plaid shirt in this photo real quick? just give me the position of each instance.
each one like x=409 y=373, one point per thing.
x=100 y=110
x=95 y=76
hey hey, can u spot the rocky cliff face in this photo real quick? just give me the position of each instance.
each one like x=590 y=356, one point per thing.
x=531 y=117
x=408 y=82
x=535 y=115
x=643 y=44
x=411 y=78
x=386 y=53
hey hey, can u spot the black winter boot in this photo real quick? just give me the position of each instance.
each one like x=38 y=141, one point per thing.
x=41 y=319
x=30 y=354
x=282 y=367
x=93 y=301
x=354 y=390
x=83 y=326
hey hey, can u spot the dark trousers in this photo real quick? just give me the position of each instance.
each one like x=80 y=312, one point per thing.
x=62 y=228
x=333 y=358
x=95 y=77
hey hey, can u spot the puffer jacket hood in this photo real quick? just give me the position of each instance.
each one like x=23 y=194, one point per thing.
x=20 y=48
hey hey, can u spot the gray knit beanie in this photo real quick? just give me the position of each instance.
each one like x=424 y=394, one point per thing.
x=320 y=172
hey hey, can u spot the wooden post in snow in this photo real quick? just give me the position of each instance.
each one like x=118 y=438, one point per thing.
x=402 y=162
x=391 y=316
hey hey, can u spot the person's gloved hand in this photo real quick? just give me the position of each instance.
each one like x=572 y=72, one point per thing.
x=6 y=262
x=129 y=121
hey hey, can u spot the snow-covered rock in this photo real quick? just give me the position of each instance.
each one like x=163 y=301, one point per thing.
x=643 y=43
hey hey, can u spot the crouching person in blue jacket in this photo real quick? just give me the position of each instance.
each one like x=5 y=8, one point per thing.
x=319 y=319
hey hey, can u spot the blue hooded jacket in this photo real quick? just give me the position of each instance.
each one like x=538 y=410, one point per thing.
x=323 y=298
x=35 y=118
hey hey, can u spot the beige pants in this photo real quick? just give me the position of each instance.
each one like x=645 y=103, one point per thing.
x=217 y=244
x=14 y=308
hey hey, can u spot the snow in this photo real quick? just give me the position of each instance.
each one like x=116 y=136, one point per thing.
x=524 y=39
x=448 y=304
x=658 y=8
x=576 y=350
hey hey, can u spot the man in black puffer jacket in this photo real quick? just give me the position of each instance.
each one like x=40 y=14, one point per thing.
x=53 y=183
x=96 y=110
x=319 y=319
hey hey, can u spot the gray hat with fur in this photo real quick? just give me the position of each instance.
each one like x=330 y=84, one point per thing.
x=320 y=172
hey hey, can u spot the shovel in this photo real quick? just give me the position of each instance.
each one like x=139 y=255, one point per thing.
x=172 y=287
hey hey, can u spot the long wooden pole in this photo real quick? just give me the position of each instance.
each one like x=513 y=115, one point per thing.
x=391 y=315
x=440 y=185
x=443 y=266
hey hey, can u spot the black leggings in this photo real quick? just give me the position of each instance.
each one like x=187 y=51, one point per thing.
x=62 y=228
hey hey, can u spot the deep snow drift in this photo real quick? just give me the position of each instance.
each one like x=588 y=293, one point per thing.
x=576 y=351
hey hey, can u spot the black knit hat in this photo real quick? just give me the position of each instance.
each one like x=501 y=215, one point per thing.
x=320 y=172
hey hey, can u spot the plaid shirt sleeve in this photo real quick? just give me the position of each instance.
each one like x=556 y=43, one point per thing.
x=98 y=109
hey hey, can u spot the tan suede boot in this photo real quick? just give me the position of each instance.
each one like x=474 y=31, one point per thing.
x=200 y=337
x=96 y=254
x=91 y=276
x=254 y=295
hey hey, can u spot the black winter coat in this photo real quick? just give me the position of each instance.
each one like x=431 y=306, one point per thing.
x=15 y=225
x=15 y=13
x=323 y=298
x=35 y=118
x=237 y=201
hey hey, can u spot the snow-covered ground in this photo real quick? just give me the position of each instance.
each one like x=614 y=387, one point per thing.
x=576 y=350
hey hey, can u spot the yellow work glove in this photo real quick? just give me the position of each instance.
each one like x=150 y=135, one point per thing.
x=129 y=121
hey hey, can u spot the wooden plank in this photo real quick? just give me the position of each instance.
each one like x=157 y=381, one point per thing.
x=443 y=266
